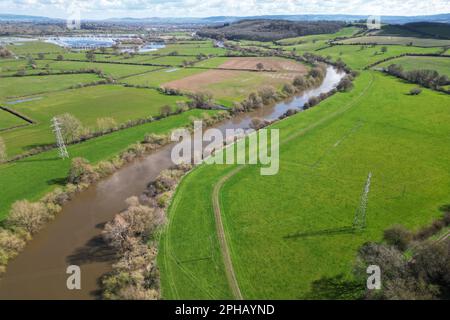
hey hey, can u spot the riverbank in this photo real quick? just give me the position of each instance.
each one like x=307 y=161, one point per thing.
x=82 y=218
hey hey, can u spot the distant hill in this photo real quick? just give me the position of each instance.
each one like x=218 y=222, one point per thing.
x=269 y=30
x=445 y=18
x=24 y=18
x=418 y=29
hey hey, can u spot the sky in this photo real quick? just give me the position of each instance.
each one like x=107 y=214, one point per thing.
x=101 y=9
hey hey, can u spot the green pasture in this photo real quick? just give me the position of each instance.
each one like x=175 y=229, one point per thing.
x=87 y=104
x=114 y=70
x=22 y=86
x=8 y=120
x=315 y=42
x=358 y=57
x=157 y=78
x=296 y=240
x=419 y=42
x=33 y=177
x=34 y=47
x=173 y=60
x=192 y=49
x=440 y=64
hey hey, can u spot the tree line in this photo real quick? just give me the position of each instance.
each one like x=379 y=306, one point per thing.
x=269 y=30
x=427 y=78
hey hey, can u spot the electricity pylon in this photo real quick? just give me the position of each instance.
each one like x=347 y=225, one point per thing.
x=59 y=138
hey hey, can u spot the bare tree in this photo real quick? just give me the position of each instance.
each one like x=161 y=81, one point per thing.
x=105 y=124
x=81 y=171
x=29 y=216
x=398 y=236
x=71 y=127
x=165 y=110
x=90 y=55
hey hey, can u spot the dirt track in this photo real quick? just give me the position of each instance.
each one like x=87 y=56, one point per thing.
x=229 y=270
x=231 y=276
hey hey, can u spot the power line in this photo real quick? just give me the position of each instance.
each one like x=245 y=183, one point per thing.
x=59 y=138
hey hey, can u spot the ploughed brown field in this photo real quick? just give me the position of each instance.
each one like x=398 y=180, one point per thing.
x=241 y=81
x=270 y=64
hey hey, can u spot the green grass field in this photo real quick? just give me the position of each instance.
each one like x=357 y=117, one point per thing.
x=420 y=42
x=114 y=70
x=192 y=49
x=116 y=58
x=7 y=65
x=173 y=60
x=33 y=177
x=358 y=59
x=440 y=64
x=8 y=120
x=157 y=78
x=344 y=32
x=284 y=238
x=284 y=231
x=32 y=47
x=86 y=104
x=24 y=86
x=314 y=42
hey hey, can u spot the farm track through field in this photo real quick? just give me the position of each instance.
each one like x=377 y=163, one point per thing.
x=229 y=270
x=231 y=276
x=169 y=256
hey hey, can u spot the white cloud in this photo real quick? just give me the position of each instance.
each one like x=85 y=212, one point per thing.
x=148 y=8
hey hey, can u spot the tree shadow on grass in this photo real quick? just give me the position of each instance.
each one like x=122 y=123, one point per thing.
x=57 y=181
x=37 y=145
x=336 y=288
x=323 y=232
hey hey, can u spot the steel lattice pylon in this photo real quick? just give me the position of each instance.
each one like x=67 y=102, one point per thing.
x=59 y=138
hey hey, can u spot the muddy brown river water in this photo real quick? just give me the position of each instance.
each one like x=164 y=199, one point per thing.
x=74 y=237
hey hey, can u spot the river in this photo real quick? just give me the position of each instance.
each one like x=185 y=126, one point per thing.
x=74 y=237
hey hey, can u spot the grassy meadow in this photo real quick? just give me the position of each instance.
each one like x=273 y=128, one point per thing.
x=440 y=64
x=358 y=57
x=288 y=234
x=113 y=70
x=314 y=42
x=33 y=177
x=284 y=239
x=419 y=42
x=8 y=120
x=13 y=87
x=87 y=104
x=157 y=78
x=32 y=47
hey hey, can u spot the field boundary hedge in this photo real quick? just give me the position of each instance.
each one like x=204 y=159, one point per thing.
x=406 y=55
